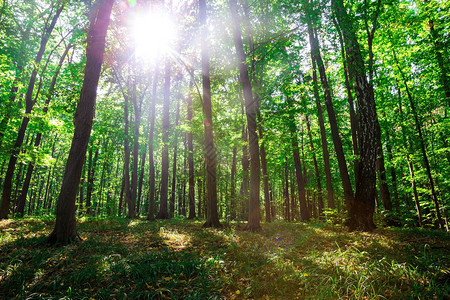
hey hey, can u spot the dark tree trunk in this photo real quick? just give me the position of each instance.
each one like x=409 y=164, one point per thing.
x=151 y=189
x=81 y=191
x=251 y=109
x=90 y=182
x=134 y=174
x=65 y=226
x=233 y=186
x=354 y=126
x=190 y=137
x=212 y=219
x=174 y=165
x=300 y=178
x=316 y=169
x=362 y=208
x=343 y=171
x=287 y=208
x=163 y=211
x=264 y=172
x=323 y=136
x=141 y=180
x=422 y=144
x=29 y=103
x=245 y=172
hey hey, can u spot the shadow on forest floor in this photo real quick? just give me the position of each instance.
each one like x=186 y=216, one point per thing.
x=120 y=258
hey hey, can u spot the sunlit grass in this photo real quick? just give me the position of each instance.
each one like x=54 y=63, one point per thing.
x=175 y=259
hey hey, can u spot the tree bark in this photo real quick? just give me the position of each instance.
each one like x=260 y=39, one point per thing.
x=151 y=189
x=316 y=169
x=174 y=165
x=163 y=209
x=264 y=172
x=210 y=151
x=362 y=208
x=251 y=109
x=65 y=226
x=190 y=138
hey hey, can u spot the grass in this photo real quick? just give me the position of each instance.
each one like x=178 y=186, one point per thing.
x=178 y=259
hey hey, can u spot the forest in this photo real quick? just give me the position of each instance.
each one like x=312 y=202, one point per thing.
x=171 y=149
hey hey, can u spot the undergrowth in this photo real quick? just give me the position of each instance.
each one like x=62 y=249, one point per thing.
x=178 y=259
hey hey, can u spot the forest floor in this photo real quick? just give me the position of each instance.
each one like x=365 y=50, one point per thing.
x=178 y=259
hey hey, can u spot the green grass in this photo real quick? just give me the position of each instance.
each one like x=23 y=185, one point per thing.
x=178 y=259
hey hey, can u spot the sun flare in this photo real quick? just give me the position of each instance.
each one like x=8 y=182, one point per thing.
x=152 y=33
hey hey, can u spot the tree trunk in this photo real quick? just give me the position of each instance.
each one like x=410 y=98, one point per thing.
x=233 y=186
x=190 y=137
x=316 y=169
x=287 y=207
x=210 y=151
x=264 y=172
x=141 y=180
x=29 y=103
x=422 y=144
x=163 y=212
x=134 y=174
x=323 y=136
x=65 y=226
x=151 y=189
x=362 y=208
x=354 y=126
x=90 y=180
x=251 y=109
x=23 y=195
x=343 y=171
x=174 y=165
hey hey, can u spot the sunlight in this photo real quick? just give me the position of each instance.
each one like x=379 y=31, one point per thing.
x=152 y=34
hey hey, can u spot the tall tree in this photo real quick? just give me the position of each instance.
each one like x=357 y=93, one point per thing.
x=163 y=209
x=212 y=219
x=251 y=110
x=361 y=210
x=65 y=226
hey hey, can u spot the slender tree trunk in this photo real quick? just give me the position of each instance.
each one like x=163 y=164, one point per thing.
x=422 y=144
x=29 y=103
x=23 y=195
x=264 y=171
x=163 y=211
x=251 y=109
x=151 y=189
x=80 y=192
x=323 y=136
x=65 y=226
x=354 y=126
x=317 y=58
x=316 y=169
x=210 y=151
x=233 y=186
x=174 y=165
x=190 y=137
x=301 y=182
x=287 y=210
x=245 y=171
x=134 y=174
x=141 y=180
